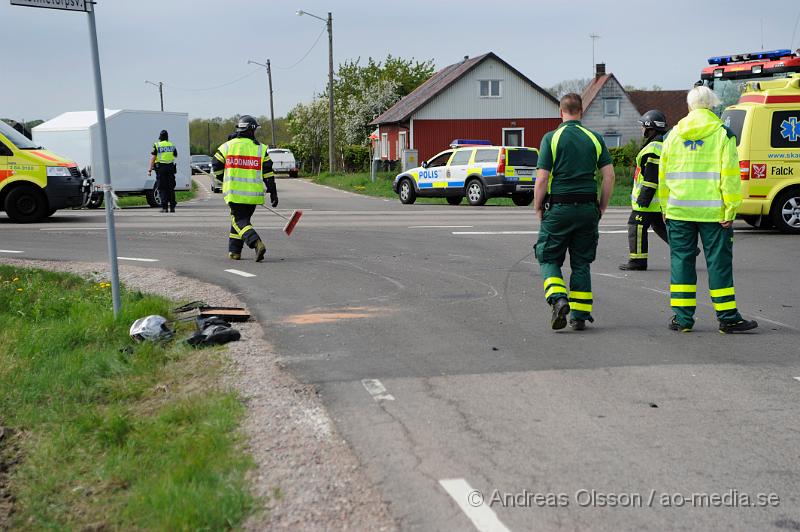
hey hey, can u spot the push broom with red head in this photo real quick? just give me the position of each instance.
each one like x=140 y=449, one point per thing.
x=291 y=222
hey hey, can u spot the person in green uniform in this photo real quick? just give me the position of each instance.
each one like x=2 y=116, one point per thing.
x=700 y=192
x=566 y=202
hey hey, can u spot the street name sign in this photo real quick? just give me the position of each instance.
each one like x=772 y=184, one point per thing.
x=65 y=5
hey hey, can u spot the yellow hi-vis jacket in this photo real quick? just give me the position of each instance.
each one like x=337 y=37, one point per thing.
x=698 y=176
x=243 y=177
x=165 y=152
x=649 y=155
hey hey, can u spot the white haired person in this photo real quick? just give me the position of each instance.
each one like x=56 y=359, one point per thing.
x=699 y=191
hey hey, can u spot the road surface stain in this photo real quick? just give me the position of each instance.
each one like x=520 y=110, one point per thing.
x=318 y=316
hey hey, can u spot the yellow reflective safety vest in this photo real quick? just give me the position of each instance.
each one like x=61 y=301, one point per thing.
x=242 y=180
x=698 y=176
x=654 y=150
x=165 y=152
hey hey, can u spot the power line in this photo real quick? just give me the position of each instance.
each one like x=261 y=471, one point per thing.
x=215 y=86
x=306 y=54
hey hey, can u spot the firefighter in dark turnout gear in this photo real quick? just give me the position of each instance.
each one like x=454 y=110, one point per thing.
x=245 y=169
x=646 y=211
x=163 y=161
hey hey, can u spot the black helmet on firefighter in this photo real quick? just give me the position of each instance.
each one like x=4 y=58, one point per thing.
x=655 y=120
x=246 y=123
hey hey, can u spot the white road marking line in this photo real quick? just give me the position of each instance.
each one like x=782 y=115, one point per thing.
x=10 y=251
x=377 y=390
x=440 y=226
x=775 y=322
x=472 y=504
x=73 y=229
x=656 y=290
x=609 y=275
x=495 y=232
x=797 y=378
x=137 y=259
x=239 y=272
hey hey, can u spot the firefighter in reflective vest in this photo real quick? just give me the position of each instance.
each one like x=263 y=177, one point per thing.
x=163 y=161
x=245 y=169
x=644 y=201
x=568 y=160
x=699 y=190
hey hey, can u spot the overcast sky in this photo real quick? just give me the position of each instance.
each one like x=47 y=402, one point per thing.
x=198 y=44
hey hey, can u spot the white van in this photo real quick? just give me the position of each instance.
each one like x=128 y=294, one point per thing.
x=283 y=161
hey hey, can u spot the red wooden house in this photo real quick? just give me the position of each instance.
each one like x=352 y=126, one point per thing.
x=479 y=98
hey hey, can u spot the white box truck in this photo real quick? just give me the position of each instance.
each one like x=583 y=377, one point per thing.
x=131 y=135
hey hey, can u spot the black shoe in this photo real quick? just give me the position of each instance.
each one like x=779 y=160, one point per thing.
x=164 y=210
x=560 y=311
x=634 y=266
x=728 y=327
x=577 y=325
x=172 y=209
x=675 y=326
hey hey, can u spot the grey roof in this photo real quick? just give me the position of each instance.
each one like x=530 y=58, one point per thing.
x=441 y=80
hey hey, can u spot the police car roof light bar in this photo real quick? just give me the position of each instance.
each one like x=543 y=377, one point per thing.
x=770 y=55
x=457 y=143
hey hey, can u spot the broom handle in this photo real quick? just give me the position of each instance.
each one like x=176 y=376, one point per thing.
x=263 y=205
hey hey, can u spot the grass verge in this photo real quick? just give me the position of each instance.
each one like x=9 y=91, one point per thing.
x=109 y=434
x=139 y=201
x=361 y=183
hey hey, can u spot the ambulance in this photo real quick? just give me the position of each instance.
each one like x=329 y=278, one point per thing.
x=34 y=182
x=473 y=169
x=766 y=122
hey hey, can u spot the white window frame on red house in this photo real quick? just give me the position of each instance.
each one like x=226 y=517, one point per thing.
x=402 y=139
x=489 y=88
x=522 y=129
x=384 y=145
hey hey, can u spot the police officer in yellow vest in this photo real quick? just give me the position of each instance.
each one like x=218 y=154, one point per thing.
x=245 y=169
x=699 y=190
x=644 y=202
x=163 y=161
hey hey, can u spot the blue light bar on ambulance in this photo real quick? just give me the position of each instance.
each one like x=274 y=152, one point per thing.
x=469 y=142
x=771 y=55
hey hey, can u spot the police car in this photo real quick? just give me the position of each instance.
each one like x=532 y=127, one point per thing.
x=473 y=169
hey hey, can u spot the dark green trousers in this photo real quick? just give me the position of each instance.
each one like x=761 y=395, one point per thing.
x=569 y=227
x=718 y=247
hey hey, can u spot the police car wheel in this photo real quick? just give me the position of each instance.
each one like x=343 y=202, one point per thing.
x=153 y=196
x=476 y=194
x=786 y=211
x=454 y=200
x=522 y=200
x=406 y=192
x=26 y=204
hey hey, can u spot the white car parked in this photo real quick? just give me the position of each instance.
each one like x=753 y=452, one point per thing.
x=283 y=161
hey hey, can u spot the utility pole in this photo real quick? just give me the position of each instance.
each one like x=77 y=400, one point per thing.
x=271 y=106
x=208 y=136
x=594 y=38
x=331 y=143
x=160 y=86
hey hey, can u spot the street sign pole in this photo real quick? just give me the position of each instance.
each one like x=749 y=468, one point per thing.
x=105 y=171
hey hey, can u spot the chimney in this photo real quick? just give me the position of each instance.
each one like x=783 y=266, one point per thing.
x=465 y=58
x=600 y=70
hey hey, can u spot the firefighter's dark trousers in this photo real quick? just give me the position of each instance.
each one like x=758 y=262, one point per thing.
x=242 y=231
x=718 y=247
x=569 y=227
x=638 y=224
x=166 y=185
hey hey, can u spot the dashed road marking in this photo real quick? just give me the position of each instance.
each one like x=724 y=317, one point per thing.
x=776 y=322
x=656 y=290
x=239 y=272
x=473 y=505
x=440 y=226
x=10 y=251
x=72 y=229
x=137 y=259
x=797 y=378
x=377 y=390
x=495 y=232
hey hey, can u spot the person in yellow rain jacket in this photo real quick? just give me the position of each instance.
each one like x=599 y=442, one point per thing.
x=245 y=169
x=699 y=190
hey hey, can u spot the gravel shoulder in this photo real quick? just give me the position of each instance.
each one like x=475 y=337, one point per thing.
x=307 y=475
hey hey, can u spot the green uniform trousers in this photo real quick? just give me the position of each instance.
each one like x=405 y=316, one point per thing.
x=718 y=247
x=569 y=227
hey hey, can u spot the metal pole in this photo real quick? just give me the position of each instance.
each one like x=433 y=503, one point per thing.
x=271 y=106
x=105 y=168
x=161 y=94
x=208 y=133
x=331 y=147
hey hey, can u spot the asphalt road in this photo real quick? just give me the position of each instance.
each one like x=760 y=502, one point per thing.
x=425 y=330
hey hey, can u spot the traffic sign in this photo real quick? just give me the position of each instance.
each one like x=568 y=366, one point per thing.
x=64 y=5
